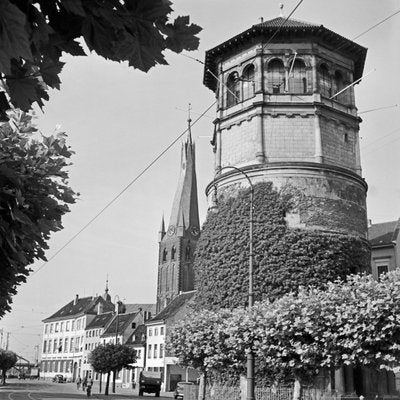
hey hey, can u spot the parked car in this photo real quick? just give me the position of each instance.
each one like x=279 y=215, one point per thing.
x=59 y=378
x=180 y=389
x=150 y=382
x=22 y=375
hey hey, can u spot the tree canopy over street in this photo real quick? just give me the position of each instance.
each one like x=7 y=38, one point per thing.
x=354 y=322
x=34 y=195
x=34 y=35
x=111 y=357
x=7 y=360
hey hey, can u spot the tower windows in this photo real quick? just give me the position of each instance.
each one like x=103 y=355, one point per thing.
x=325 y=86
x=297 y=78
x=233 y=89
x=338 y=85
x=276 y=77
x=164 y=255
x=248 y=82
x=173 y=253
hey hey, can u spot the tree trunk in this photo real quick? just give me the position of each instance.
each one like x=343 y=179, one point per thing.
x=3 y=376
x=114 y=376
x=101 y=378
x=203 y=393
x=107 y=383
x=297 y=389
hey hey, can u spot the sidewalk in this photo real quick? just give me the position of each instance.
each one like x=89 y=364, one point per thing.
x=124 y=391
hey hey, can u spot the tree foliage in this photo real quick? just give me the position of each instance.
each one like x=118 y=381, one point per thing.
x=284 y=258
x=353 y=322
x=7 y=360
x=34 y=195
x=35 y=34
x=111 y=357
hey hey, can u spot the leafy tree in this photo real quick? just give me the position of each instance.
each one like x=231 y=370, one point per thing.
x=34 y=34
x=7 y=360
x=353 y=322
x=199 y=342
x=111 y=357
x=284 y=258
x=34 y=195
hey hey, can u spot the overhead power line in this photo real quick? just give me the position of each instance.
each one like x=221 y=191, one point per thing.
x=115 y=198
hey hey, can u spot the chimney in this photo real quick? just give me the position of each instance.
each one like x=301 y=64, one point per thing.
x=99 y=308
x=76 y=299
x=369 y=223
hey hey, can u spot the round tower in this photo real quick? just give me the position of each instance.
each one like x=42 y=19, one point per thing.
x=282 y=117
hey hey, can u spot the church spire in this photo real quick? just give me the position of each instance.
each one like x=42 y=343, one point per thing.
x=185 y=211
x=161 y=232
x=106 y=296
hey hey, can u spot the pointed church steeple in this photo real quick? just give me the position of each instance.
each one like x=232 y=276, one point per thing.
x=177 y=245
x=161 y=232
x=185 y=206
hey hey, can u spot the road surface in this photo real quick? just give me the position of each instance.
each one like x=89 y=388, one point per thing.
x=44 y=390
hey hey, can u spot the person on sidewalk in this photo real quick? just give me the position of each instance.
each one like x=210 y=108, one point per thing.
x=78 y=382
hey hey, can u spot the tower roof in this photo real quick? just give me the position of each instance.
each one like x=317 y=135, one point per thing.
x=289 y=30
x=185 y=210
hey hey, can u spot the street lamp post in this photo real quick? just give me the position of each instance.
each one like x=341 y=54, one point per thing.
x=250 y=353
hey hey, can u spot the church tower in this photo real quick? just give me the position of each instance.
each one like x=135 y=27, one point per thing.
x=178 y=242
x=284 y=115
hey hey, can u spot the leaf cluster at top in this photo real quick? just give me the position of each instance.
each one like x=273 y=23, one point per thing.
x=35 y=34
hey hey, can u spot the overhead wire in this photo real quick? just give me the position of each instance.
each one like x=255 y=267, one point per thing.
x=115 y=198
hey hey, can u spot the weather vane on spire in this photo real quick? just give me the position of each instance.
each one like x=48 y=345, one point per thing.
x=281 y=10
x=189 y=122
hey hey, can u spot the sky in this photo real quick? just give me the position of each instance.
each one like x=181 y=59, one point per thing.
x=119 y=119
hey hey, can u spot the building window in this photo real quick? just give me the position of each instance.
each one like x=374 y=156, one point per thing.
x=155 y=331
x=150 y=332
x=59 y=345
x=161 y=350
x=72 y=325
x=71 y=345
x=382 y=269
x=232 y=89
x=66 y=345
x=61 y=326
x=164 y=255
x=45 y=328
x=173 y=253
x=325 y=85
x=44 y=346
x=56 y=328
x=78 y=325
x=51 y=328
x=49 y=346
x=67 y=326
x=297 y=79
x=338 y=85
x=248 y=82
x=276 y=77
x=149 y=351
x=162 y=330
x=55 y=346
x=155 y=351
x=138 y=354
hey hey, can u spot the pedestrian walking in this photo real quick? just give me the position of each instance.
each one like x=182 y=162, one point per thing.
x=78 y=383
x=88 y=390
x=84 y=383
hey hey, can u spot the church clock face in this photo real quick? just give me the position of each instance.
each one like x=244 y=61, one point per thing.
x=194 y=231
x=171 y=230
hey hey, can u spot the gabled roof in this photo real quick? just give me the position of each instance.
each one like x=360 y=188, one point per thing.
x=173 y=307
x=384 y=234
x=123 y=322
x=130 y=308
x=284 y=30
x=138 y=336
x=80 y=306
x=100 y=320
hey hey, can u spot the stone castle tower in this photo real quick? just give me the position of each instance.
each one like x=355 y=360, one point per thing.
x=177 y=244
x=283 y=117
x=279 y=119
